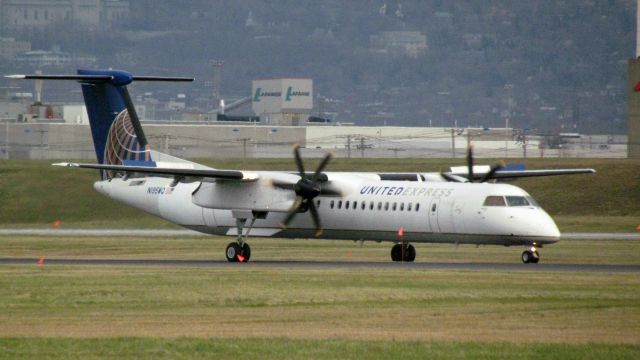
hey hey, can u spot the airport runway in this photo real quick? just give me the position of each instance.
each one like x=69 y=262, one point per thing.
x=508 y=267
x=186 y=233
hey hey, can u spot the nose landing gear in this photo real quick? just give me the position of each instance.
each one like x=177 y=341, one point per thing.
x=530 y=256
x=403 y=252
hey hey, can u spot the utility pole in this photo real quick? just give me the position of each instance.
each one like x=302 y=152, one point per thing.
x=348 y=137
x=6 y=139
x=244 y=147
x=42 y=132
x=506 y=137
x=168 y=137
x=396 y=150
x=217 y=80
x=453 y=143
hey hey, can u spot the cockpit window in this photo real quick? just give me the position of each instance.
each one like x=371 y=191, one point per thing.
x=494 y=201
x=517 y=201
x=532 y=202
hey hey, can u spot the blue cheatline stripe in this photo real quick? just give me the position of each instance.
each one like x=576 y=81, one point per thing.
x=139 y=163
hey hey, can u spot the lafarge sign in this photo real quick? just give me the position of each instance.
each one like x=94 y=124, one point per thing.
x=282 y=95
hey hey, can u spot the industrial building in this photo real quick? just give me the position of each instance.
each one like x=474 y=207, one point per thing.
x=37 y=14
x=286 y=102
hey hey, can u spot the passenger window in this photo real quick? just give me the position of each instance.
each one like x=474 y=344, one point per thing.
x=394 y=207
x=355 y=205
x=371 y=205
x=346 y=205
x=386 y=206
x=494 y=201
x=339 y=204
x=318 y=203
x=417 y=206
x=433 y=207
x=379 y=205
x=332 y=203
x=401 y=206
x=409 y=207
x=517 y=201
x=363 y=205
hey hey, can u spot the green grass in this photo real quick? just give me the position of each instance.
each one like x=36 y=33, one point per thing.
x=34 y=194
x=355 y=304
x=252 y=348
x=231 y=311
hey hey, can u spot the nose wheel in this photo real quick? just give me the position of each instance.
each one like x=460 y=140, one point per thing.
x=530 y=256
x=403 y=252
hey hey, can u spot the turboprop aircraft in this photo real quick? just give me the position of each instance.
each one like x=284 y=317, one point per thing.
x=462 y=206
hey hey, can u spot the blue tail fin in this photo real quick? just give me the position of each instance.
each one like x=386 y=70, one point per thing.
x=117 y=135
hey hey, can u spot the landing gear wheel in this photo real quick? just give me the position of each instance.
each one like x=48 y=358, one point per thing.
x=407 y=254
x=235 y=253
x=233 y=249
x=396 y=252
x=246 y=252
x=530 y=257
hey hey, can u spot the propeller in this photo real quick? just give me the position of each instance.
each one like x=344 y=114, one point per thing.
x=306 y=189
x=470 y=175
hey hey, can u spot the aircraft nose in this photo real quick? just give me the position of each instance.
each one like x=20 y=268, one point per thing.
x=545 y=226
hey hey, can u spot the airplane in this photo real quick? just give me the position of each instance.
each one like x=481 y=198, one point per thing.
x=461 y=206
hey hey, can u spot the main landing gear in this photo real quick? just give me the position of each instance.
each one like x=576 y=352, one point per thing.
x=530 y=256
x=240 y=251
x=403 y=252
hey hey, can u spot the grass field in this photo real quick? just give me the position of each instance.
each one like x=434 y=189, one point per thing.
x=225 y=312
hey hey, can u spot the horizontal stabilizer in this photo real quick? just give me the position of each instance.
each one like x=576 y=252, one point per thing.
x=116 y=77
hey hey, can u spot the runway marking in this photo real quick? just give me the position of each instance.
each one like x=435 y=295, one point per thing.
x=541 y=267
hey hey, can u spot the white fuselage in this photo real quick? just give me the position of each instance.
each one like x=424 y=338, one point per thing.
x=371 y=210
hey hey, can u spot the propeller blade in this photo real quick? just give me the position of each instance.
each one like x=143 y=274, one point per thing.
x=321 y=167
x=453 y=178
x=292 y=212
x=470 y=163
x=299 y=164
x=488 y=176
x=316 y=217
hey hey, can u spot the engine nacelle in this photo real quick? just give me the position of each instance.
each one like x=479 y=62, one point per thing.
x=258 y=195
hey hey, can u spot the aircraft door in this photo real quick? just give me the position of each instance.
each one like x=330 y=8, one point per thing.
x=433 y=215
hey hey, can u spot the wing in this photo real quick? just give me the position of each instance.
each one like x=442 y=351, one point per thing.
x=513 y=174
x=508 y=174
x=170 y=171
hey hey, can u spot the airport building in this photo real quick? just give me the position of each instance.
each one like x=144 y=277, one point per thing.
x=287 y=101
x=36 y=14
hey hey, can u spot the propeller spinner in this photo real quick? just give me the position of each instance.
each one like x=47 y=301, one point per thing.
x=306 y=189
